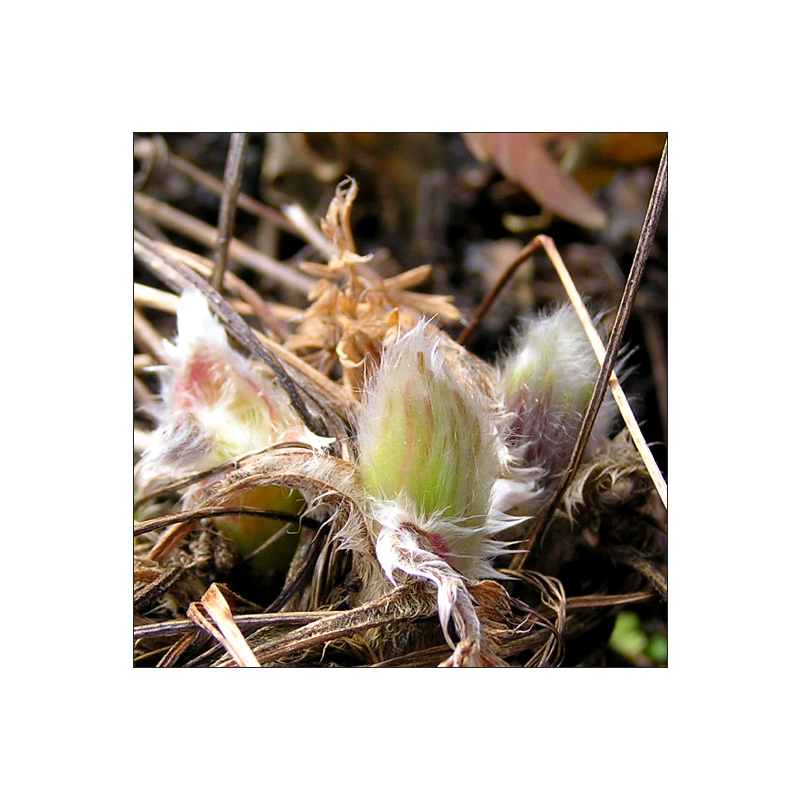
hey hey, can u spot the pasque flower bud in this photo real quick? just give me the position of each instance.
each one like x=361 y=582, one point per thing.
x=547 y=381
x=428 y=446
x=429 y=457
x=216 y=407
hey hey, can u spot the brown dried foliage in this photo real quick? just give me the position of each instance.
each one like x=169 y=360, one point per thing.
x=336 y=606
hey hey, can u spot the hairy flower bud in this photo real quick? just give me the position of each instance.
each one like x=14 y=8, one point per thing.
x=429 y=458
x=428 y=446
x=216 y=407
x=547 y=382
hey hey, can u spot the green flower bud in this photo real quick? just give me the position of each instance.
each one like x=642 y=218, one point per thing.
x=429 y=453
x=430 y=460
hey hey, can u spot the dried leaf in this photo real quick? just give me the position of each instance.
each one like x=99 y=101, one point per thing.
x=523 y=158
x=222 y=626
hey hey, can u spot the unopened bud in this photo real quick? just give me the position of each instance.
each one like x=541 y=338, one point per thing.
x=216 y=407
x=547 y=382
x=429 y=453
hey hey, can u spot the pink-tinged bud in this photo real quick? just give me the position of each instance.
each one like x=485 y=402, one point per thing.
x=216 y=407
x=547 y=382
x=428 y=447
x=429 y=458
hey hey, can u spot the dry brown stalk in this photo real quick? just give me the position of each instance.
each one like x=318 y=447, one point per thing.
x=615 y=342
x=600 y=351
x=232 y=180
x=271 y=315
x=305 y=225
x=244 y=201
x=406 y=603
x=352 y=316
x=244 y=621
x=343 y=402
x=175 y=220
x=158 y=300
x=147 y=337
x=547 y=244
x=206 y=512
x=606 y=600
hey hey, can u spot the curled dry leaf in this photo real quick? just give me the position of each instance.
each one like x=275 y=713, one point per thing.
x=213 y=615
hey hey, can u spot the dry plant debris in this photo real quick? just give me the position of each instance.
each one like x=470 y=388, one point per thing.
x=350 y=487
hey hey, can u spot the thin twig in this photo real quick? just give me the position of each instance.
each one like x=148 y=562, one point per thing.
x=600 y=352
x=615 y=342
x=379 y=612
x=268 y=313
x=234 y=169
x=244 y=621
x=205 y=234
x=213 y=615
x=331 y=392
x=147 y=338
x=149 y=525
x=626 y=412
x=303 y=222
x=498 y=287
x=604 y=600
x=149 y=297
x=243 y=201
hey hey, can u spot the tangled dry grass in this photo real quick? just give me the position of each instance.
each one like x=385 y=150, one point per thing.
x=198 y=603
